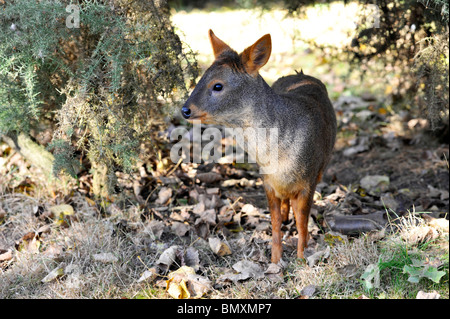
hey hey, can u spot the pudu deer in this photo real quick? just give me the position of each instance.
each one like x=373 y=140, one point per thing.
x=233 y=94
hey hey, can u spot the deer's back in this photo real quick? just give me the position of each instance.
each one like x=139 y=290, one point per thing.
x=308 y=132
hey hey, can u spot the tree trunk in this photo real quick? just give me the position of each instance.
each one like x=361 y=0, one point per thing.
x=100 y=180
x=36 y=154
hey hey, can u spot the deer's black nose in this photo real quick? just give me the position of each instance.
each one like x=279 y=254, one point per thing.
x=186 y=112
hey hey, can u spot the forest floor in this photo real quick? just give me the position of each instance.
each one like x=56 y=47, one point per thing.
x=378 y=229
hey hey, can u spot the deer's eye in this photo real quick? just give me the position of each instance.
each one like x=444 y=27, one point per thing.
x=218 y=87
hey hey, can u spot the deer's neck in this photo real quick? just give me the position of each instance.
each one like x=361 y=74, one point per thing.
x=263 y=107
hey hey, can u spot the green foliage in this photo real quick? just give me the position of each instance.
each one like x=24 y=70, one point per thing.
x=404 y=45
x=371 y=277
x=409 y=47
x=440 y=7
x=26 y=40
x=420 y=269
x=404 y=267
x=101 y=85
x=431 y=68
x=64 y=160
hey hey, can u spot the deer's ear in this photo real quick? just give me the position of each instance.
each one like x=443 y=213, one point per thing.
x=257 y=55
x=218 y=45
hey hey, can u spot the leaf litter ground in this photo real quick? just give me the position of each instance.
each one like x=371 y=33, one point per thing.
x=211 y=221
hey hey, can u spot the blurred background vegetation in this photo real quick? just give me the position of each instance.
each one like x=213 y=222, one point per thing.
x=95 y=90
x=395 y=49
x=95 y=96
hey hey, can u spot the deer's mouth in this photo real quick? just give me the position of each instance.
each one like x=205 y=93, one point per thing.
x=192 y=113
x=203 y=117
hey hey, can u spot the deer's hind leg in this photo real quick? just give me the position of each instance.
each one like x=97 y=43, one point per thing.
x=301 y=205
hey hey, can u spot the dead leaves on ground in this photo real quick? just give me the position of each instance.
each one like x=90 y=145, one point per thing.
x=30 y=242
x=177 y=254
x=184 y=283
x=191 y=217
x=5 y=255
x=34 y=242
x=219 y=247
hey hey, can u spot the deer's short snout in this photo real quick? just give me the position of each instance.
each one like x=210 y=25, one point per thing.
x=186 y=112
x=191 y=113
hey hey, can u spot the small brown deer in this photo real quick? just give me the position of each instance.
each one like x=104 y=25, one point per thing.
x=233 y=94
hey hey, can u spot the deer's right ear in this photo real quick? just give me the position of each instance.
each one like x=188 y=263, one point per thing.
x=218 y=45
x=257 y=55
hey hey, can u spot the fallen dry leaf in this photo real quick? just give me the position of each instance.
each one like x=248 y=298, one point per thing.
x=178 y=290
x=55 y=273
x=246 y=269
x=207 y=216
x=167 y=258
x=59 y=211
x=251 y=210
x=61 y=214
x=190 y=258
x=316 y=257
x=193 y=193
x=148 y=275
x=5 y=254
x=182 y=216
x=184 y=283
x=207 y=202
x=2 y=215
x=375 y=184
x=105 y=258
x=274 y=269
x=30 y=242
x=219 y=247
x=249 y=268
x=176 y=283
x=180 y=229
x=308 y=292
x=213 y=191
x=155 y=229
x=199 y=208
x=275 y=272
x=428 y=295
x=163 y=196
x=198 y=285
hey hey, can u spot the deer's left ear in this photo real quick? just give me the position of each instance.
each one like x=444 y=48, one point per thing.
x=218 y=45
x=257 y=55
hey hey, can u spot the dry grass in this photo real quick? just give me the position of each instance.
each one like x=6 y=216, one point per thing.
x=72 y=248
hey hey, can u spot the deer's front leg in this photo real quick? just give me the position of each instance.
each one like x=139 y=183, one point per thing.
x=275 y=217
